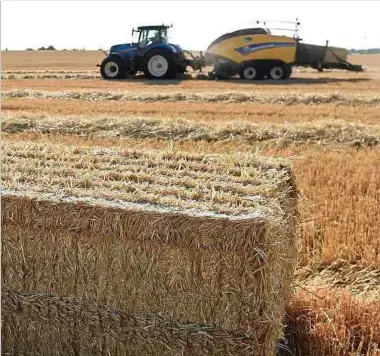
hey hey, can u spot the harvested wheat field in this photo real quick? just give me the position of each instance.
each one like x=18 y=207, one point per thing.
x=159 y=217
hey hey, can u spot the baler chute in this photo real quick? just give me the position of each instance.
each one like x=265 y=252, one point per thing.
x=324 y=57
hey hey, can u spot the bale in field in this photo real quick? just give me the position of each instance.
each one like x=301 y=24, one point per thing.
x=193 y=239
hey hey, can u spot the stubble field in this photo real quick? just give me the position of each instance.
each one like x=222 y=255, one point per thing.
x=326 y=124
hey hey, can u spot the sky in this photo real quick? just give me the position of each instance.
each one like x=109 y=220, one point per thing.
x=100 y=24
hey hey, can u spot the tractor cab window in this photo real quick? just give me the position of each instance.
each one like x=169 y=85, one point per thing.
x=149 y=36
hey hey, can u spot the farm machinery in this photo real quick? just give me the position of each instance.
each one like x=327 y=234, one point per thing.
x=252 y=53
x=152 y=55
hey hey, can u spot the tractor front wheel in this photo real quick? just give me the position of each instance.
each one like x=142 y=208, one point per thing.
x=112 y=68
x=159 y=64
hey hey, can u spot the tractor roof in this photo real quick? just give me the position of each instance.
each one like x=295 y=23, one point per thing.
x=152 y=27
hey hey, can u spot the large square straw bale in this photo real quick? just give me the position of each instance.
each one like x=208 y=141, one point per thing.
x=190 y=239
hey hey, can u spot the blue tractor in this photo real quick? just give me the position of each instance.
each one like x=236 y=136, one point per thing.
x=152 y=55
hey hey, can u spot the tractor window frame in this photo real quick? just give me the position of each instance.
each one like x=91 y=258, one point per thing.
x=150 y=33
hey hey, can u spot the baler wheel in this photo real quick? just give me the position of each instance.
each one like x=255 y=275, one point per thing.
x=251 y=72
x=277 y=72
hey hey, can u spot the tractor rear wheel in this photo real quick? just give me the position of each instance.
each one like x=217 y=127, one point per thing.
x=112 y=68
x=159 y=64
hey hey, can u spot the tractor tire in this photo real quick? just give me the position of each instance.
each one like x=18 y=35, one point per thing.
x=159 y=64
x=112 y=67
x=277 y=72
x=251 y=72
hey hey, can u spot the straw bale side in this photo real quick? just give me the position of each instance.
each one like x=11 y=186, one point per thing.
x=234 y=274
x=44 y=324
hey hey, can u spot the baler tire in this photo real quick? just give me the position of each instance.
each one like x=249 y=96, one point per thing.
x=281 y=75
x=171 y=71
x=257 y=75
x=106 y=68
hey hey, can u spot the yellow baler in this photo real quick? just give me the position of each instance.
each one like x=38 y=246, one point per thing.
x=255 y=53
x=252 y=53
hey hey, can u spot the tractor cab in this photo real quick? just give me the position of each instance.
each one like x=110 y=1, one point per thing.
x=151 y=34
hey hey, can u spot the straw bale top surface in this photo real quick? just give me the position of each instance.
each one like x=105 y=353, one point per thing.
x=235 y=186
